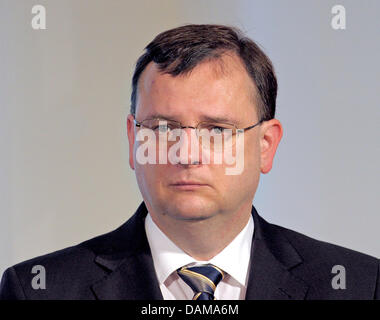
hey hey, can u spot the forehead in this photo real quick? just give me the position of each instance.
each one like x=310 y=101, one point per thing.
x=216 y=87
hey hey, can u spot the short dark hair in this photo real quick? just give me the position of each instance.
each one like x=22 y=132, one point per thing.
x=179 y=50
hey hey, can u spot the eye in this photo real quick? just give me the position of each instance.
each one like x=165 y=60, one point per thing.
x=217 y=130
x=162 y=128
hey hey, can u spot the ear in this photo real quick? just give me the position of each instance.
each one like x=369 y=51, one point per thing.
x=270 y=136
x=131 y=139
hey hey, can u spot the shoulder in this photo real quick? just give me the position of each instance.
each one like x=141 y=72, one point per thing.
x=322 y=261
x=315 y=250
x=62 y=270
x=71 y=272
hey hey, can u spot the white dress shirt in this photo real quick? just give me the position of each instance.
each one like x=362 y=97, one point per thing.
x=233 y=259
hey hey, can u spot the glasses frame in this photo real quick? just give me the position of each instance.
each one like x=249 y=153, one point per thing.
x=139 y=124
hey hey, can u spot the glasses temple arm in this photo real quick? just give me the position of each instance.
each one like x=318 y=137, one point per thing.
x=250 y=127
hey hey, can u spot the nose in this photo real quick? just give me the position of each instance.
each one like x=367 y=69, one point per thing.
x=189 y=151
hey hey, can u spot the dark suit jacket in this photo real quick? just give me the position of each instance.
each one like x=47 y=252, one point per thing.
x=119 y=265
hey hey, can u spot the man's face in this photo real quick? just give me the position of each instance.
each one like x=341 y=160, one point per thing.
x=214 y=89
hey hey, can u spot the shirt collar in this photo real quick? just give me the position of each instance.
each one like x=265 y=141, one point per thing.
x=167 y=257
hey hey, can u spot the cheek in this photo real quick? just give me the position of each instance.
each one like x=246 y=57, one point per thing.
x=149 y=179
x=252 y=154
x=252 y=161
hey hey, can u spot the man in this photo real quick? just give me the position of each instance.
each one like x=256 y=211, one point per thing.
x=199 y=90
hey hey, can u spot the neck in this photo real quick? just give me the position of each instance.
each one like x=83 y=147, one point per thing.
x=204 y=239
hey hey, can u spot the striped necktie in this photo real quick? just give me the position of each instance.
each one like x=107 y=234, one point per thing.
x=203 y=279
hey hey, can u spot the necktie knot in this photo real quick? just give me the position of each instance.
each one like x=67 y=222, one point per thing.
x=202 y=279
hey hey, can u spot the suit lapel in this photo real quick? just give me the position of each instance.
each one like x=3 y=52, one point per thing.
x=135 y=279
x=129 y=263
x=272 y=258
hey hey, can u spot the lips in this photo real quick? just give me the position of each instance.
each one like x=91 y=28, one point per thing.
x=185 y=182
x=188 y=184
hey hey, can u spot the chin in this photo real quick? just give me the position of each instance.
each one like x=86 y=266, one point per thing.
x=198 y=209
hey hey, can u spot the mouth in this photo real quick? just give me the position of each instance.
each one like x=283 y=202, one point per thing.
x=188 y=185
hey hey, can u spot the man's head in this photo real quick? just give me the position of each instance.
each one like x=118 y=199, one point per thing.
x=199 y=73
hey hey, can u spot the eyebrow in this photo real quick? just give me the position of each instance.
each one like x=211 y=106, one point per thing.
x=160 y=116
x=202 y=118
x=217 y=119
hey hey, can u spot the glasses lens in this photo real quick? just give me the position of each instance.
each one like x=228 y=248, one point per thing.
x=216 y=135
x=160 y=126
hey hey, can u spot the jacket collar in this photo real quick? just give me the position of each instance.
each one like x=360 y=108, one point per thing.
x=272 y=258
x=126 y=256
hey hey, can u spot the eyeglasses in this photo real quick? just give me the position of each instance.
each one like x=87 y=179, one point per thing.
x=216 y=133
